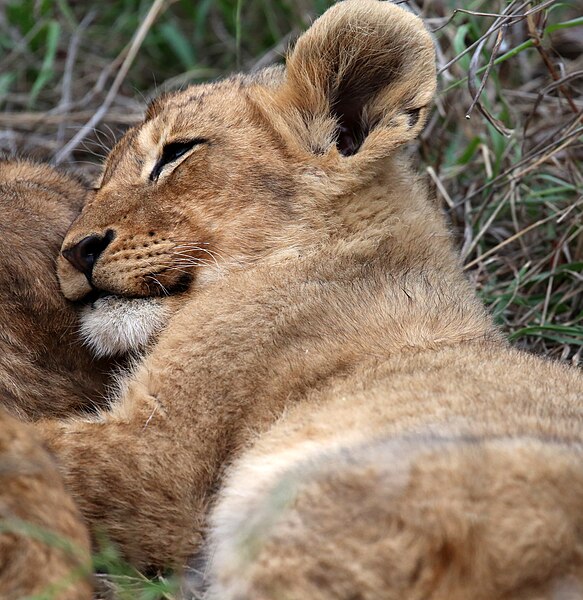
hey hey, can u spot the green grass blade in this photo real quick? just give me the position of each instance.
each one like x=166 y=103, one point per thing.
x=46 y=72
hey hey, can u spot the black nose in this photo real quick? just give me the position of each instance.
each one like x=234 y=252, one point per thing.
x=84 y=254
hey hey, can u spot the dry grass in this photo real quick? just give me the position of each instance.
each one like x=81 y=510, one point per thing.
x=72 y=78
x=511 y=175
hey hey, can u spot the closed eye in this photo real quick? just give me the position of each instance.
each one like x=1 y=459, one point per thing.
x=171 y=152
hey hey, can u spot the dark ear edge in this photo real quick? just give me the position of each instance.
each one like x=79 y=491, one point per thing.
x=363 y=65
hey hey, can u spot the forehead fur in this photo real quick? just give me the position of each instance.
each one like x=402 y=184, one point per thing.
x=268 y=77
x=217 y=111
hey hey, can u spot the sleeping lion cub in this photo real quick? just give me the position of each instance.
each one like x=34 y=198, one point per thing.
x=312 y=348
x=44 y=371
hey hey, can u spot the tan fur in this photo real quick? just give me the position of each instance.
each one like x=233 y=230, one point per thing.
x=383 y=440
x=44 y=371
x=44 y=545
x=44 y=368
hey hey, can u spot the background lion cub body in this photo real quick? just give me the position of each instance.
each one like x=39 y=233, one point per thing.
x=44 y=371
x=320 y=340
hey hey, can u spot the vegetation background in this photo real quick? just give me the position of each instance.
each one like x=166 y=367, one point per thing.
x=75 y=74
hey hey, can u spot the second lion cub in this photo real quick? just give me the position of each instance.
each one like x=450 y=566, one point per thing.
x=314 y=332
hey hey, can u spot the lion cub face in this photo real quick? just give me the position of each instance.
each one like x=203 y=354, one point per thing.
x=202 y=186
x=219 y=176
x=201 y=183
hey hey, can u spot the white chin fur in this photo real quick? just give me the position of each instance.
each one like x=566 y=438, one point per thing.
x=112 y=325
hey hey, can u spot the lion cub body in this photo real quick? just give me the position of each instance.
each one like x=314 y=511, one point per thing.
x=44 y=543
x=323 y=363
x=44 y=371
x=412 y=479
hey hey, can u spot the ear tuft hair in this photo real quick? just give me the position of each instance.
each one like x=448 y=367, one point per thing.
x=364 y=66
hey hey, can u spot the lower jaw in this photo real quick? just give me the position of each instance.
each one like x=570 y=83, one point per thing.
x=115 y=325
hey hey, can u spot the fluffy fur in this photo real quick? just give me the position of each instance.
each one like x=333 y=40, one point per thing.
x=381 y=438
x=113 y=326
x=45 y=370
x=44 y=544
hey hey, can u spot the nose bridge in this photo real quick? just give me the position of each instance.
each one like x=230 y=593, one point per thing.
x=101 y=215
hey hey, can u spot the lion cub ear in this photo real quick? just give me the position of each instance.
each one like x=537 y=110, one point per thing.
x=360 y=79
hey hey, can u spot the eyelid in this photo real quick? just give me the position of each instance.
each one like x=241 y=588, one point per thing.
x=171 y=152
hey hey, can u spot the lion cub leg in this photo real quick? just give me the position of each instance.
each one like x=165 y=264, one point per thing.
x=407 y=518
x=44 y=545
x=138 y=474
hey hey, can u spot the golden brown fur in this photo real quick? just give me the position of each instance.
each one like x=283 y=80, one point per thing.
x=382 y=439
x=44 y=371
x=44 y=368
x=44 y=544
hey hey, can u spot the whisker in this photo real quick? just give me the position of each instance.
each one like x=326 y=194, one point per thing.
x=178 y=270
x=155 y=280
x=188 y=258
x=212 y=254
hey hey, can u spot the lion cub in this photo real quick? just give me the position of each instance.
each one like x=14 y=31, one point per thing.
x=321 y=361
x=44 y=371
x=44 y=543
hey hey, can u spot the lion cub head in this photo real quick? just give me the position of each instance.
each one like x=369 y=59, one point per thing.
x=221 y=175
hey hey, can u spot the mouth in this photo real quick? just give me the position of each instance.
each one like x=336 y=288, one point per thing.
x=158 y=292
x=93 y=296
